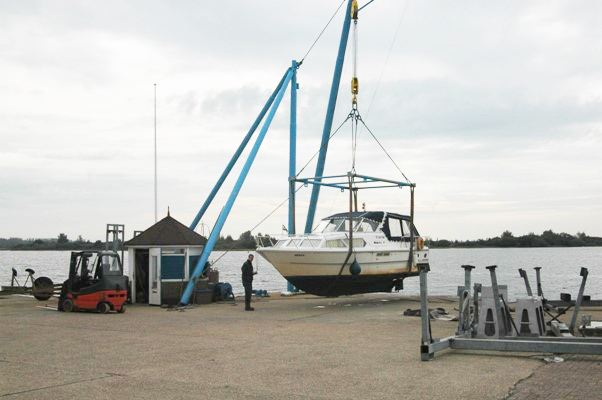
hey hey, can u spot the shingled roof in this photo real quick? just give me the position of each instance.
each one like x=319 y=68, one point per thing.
x=167 y=232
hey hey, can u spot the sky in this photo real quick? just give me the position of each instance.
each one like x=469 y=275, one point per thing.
x=493 y=109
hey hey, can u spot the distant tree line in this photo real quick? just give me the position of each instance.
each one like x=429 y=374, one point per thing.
x=246 y=241
x=62 y=242
x=506 y=239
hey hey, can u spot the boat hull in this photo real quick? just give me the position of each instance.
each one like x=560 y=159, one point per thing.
x=333 y=285
x=328 y=273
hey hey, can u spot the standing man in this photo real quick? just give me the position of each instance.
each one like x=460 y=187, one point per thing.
x=247 y=281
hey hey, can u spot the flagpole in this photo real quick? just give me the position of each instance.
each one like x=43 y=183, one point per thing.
x=155 y=153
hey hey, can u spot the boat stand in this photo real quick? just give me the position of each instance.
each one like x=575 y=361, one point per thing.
x=504 y=339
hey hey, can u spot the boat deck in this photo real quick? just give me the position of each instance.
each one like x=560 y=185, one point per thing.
x=300 y=347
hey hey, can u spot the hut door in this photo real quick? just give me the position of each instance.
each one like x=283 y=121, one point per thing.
x=154 y=281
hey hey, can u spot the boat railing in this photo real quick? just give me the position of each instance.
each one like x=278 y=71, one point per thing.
x=265 y=241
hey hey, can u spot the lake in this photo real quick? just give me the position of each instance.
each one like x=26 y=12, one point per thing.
x=559 y=273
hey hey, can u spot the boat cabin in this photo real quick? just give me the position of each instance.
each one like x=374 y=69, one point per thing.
x=395 y=227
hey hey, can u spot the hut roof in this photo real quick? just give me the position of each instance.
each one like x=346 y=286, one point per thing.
x=167 y=232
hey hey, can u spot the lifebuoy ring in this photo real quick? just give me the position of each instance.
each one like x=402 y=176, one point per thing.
x=419 y=243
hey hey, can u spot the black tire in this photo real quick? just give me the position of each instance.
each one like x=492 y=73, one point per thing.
x=122 y=309
x=103 y=308
x=43 y=288
x=68 y=305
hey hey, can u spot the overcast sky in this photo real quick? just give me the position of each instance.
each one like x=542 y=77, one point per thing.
x=494 y=110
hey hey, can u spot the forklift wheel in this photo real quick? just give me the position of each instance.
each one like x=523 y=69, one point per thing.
x=103 y=308
x=68 y=306
x=122 y=309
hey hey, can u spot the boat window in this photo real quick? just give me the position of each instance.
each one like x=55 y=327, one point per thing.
x=294 y=242
x=356 y=242
x=311 y=243
x=365 y=225
x=322 y=225
x=344 y=243
x=281 y=243
x=406 y=227
x=395 y=227
x=332 y=225
x=342 y=225
x=335 y=243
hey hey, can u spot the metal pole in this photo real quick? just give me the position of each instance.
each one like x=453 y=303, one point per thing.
x=292 y=167
x=411 y=254
x=240 y=149
x=523 y=274
x=334 y=90
x=579 y=300
x=467 y=272
x=200 y=265
x=425 y=352
x=155 y=153
x=463 y=296
x=475 y=297
x=538 y=277
x=501 y=323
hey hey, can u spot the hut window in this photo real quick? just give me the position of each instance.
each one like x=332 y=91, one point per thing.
x=172 y=251
x=172 y=266
x=154 y=271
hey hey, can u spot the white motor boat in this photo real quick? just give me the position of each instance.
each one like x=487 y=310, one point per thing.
x=383 y=252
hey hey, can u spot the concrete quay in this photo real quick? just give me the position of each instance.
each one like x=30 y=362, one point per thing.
x=300 y=347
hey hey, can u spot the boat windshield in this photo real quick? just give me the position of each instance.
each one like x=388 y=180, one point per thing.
x=342 y=225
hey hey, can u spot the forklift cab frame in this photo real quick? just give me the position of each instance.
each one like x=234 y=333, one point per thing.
x=87 y=267
x=96 y=282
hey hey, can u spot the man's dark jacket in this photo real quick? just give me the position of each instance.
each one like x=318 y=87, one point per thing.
x=247 y=273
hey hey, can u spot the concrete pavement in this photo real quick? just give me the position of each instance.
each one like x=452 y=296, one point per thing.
x=302 y=347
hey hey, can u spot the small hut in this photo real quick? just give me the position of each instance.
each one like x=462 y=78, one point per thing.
x=161 y=260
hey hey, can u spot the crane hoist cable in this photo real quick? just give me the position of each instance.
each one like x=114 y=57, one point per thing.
x=320 y=35
x=354 y=80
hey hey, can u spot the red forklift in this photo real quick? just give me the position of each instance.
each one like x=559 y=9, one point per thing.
x=96 y=283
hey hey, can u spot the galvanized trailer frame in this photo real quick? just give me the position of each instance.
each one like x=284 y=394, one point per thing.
x=464 y=340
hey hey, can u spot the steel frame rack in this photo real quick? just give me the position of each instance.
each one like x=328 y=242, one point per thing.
x=464 y=340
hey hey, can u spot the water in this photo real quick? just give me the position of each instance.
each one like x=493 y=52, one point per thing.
x=559 y=273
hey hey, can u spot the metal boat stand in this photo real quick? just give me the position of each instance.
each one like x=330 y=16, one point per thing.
x=504 y=340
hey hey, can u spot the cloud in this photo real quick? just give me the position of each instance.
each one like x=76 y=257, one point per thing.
x=493 y=109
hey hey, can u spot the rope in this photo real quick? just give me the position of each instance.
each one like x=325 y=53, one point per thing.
x=320 y=35
x=299 y=188
x=354 y=131
x=305 y=166
x=273 y=211
x=381 y=146
x=364 y=6
x=321 y=147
